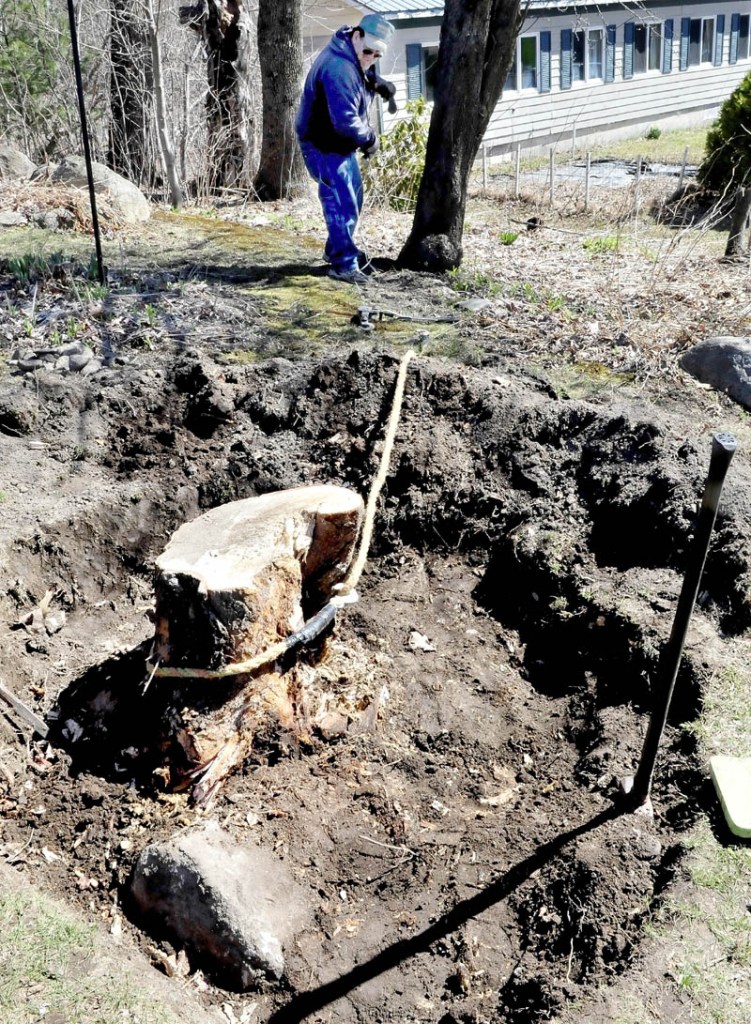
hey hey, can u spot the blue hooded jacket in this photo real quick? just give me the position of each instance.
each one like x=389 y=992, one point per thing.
x=333 y=113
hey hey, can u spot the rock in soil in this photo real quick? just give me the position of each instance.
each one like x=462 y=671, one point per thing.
x=232 y=906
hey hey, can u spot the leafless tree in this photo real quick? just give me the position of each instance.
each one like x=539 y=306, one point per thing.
x=226 y=29
x=131 y=150
x=476 y=49
x=166 y=143
x=281 y=170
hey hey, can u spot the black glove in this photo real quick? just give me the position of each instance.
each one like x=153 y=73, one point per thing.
x=372 y=148
x=387 y=91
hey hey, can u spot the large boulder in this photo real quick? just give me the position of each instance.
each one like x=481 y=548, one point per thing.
x=232 y=907
x=13 y=164
x=126 y=198
x=725 y=363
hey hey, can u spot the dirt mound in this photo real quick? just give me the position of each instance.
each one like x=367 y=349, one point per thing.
x=465 y=855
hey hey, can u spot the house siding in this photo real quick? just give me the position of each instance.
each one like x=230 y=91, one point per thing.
x=625 y=102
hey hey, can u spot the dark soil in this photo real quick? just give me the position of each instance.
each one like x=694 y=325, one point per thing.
x=464 y=850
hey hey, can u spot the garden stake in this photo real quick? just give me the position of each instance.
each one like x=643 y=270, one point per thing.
x=86 y=146
x=637 y=789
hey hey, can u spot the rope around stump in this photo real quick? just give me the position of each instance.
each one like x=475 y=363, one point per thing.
x=346 y=593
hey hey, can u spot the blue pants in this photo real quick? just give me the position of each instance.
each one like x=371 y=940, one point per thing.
x=340 y=192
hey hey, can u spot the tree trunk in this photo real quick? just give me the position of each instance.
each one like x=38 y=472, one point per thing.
x=281 y=171
x=478 y=39
x=166 y=147
x=233 y=585
x=736 y=243
x=131 y=142
x=225 y=28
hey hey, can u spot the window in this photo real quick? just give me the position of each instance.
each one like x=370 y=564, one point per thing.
x=583 y=55
x=422 y=62
x=526 y=58
x=531 y=67
x=579 y=57
x=429 y=63
x=595 y=49
x=586 y=55
x=701 y=41
x=528 y=61
x=647 y=48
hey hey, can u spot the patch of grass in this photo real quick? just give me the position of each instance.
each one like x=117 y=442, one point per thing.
x=508 y=237
x=453 y=346
x=556 y=303
x=668 y=148
x=716 y=971
x=242 y=357
x=725 y=723
x=474 y=282
x=94 y=292
x=601 y=244
x=31 y=266
x=45 y=959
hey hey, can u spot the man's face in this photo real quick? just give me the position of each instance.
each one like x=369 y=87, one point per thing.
x=366 y=56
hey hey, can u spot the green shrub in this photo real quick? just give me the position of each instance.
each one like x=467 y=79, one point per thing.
x=393 y=175
x=727 y=155
x=653 y=133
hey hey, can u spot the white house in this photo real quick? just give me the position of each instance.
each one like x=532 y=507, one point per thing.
x=586 y=70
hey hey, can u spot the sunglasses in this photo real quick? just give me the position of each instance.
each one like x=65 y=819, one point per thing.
x=370 y=53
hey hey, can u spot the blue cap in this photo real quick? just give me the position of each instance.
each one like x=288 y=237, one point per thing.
x=377 y=32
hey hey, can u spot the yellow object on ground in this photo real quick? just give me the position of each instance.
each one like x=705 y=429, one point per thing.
x=732 y=779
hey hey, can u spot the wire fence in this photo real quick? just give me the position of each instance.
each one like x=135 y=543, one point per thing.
x=587 y=182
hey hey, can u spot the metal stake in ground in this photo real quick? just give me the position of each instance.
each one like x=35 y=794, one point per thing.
x=637 y=789
x=86 y=146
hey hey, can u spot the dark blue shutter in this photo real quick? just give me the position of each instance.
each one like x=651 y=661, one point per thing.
x=545 y=49
x=719 y=39
x=566 y=37
x=685 y=33
x=610 y=54
x=415 y=86
x=667 y=47
x=628 y=50
x=735 y=27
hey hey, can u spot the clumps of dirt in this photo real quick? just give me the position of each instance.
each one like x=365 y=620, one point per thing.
x=465 y=856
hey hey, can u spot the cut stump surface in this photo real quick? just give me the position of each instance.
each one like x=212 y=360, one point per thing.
x=230 y=585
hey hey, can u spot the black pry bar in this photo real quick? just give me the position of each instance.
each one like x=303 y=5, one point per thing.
x=723 y=449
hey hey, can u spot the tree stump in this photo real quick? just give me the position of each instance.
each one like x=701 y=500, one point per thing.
x=736 y=244
x=231 y=585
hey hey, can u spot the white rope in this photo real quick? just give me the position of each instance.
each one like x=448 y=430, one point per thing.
x=346 y=592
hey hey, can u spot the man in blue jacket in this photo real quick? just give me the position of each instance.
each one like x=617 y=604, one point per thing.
x=333 y=123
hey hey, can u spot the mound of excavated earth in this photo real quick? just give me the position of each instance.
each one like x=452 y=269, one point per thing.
x=449 y=815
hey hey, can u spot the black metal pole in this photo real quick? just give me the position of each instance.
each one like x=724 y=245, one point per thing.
x=86 y=147
x=723 y=448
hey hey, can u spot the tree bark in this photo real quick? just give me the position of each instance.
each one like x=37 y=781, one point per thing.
x=225 y=27
x=166 y=147
x=281 y=171
x=131 y=149
x=736 y=244
x=476 y=49
x=232 y=585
